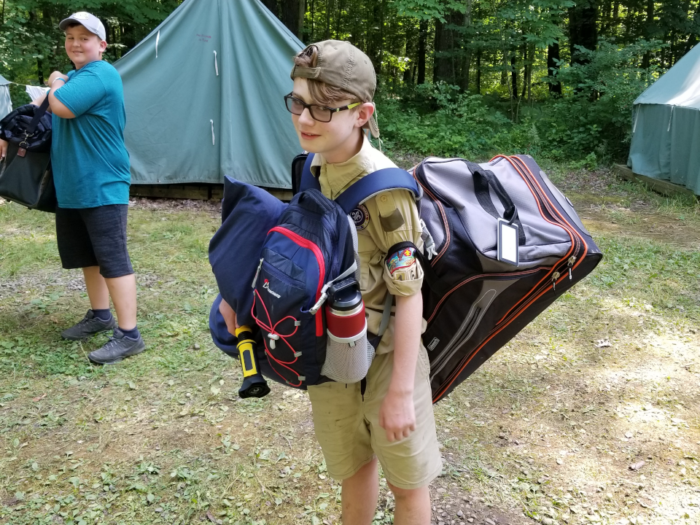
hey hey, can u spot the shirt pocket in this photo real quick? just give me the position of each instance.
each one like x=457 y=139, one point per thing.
x=366 y=249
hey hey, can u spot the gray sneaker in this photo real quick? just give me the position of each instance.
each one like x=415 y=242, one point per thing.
x=88 y=326
x=117 y=348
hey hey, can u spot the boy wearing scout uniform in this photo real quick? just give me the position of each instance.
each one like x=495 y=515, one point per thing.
x=389 y=416
x=392 y=419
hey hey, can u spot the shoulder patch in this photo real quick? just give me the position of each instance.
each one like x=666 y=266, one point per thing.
x=360 y=216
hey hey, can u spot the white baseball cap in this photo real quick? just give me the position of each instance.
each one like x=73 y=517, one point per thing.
x=88 y=21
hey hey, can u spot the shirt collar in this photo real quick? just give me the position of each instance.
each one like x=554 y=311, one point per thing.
x=335 y=178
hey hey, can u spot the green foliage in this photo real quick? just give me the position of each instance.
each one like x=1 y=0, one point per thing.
x=427 y=9
x=31 y=45
x=590 y=123
x=595 y=116
x=439 y=120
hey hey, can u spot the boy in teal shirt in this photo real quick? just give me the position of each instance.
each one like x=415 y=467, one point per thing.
x=92 y=177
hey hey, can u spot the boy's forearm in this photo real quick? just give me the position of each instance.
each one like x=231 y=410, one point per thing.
x=57 y=81
x=407 y=333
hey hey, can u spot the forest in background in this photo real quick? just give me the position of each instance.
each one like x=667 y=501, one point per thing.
x=553 y=78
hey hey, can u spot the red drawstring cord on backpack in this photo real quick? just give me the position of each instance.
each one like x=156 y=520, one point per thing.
x=272 y=329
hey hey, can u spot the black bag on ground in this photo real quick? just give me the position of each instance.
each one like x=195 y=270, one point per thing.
x=25 y=174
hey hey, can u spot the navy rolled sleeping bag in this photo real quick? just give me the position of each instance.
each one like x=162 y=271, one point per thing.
x=248 y=213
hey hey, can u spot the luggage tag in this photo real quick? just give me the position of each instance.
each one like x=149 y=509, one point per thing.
x=508 y=242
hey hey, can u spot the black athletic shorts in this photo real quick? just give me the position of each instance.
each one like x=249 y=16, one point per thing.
x=94 y=237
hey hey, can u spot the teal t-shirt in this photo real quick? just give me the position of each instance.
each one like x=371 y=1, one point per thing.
x=88 y=156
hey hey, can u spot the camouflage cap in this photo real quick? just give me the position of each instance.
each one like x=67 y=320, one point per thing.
x=342 y=65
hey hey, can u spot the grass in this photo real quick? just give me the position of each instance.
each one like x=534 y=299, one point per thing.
x=546 y=431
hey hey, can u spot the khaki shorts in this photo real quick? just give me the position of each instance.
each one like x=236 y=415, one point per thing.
x=347 y=427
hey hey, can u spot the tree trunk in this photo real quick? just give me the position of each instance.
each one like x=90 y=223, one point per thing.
x=338 y=17
x=293 y=16
x=467 y=57
x=478 y=71
x=504 y=69
x=532 y=53
x=374 y=38
x=411 y=51
x=272 y=6
x=583 y=30
x=312 y=15
x=329 y=8
x=648 y=32
x=422 y=37
x=526 y=65
x=447 y=48
x=553 y=68
x=513 y=77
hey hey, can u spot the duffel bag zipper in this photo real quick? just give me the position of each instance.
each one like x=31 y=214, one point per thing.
x=441 y=210
x=540 y=196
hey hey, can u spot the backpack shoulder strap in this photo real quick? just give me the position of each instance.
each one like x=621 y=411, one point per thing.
x=308 y=181
x=375 y=183
x=368 y=186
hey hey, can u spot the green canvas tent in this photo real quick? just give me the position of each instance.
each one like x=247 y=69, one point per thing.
x=203 y=95
x=666 y=126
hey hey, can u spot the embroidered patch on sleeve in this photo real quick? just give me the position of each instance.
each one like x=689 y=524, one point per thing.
x=360 y=216
x=402 y=265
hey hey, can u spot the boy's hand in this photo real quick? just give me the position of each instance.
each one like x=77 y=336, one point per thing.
x=397 y=415
x=3 y=149
x=229 y=317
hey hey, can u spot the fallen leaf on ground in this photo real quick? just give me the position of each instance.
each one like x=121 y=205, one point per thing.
x=39 y=398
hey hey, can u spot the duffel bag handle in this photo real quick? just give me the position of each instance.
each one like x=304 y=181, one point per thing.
x=40 y=112
x=483 y=179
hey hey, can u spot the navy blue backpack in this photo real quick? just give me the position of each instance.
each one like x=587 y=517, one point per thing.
x=273 y=263
x=310 y=248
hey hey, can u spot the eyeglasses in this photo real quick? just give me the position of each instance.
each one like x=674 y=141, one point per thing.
x=320 y=113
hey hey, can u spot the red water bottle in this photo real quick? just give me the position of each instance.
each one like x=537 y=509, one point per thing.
x=348 y=353
x=345 y=312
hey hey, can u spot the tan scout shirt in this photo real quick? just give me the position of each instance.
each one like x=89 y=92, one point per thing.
x=382 y=222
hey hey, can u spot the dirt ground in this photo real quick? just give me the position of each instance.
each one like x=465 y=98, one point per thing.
x=590 y=415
